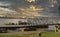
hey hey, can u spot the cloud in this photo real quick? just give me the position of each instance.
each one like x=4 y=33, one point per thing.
x=14 y=4
x=4 y=4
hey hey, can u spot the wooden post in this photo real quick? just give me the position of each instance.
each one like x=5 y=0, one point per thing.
x=39 y=34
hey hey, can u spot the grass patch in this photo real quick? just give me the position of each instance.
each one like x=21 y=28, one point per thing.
x=51 y=34
x=44 y=34
x=14 y=36
x=23 y=35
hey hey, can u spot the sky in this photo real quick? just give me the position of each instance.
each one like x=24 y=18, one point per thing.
x=48 y=10
x=11 y=6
